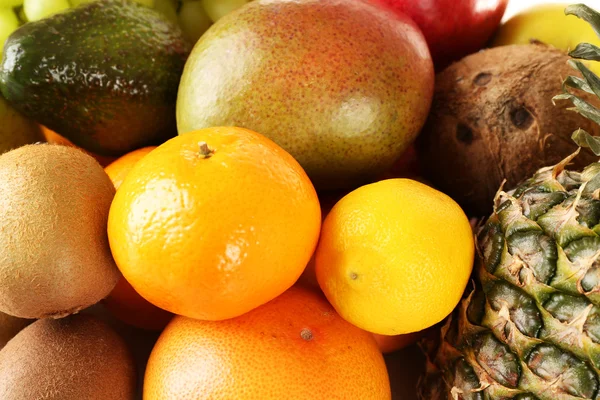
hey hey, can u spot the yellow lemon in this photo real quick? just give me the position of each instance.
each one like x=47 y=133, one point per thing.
x=547 y=23
x=395 y=256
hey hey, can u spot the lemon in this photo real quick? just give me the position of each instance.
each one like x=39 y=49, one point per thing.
x=395 y=256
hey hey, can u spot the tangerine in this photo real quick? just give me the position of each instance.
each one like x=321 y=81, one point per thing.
x=214 y=223
x=124 y=302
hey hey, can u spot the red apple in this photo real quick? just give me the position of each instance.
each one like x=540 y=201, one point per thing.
x=453 y=28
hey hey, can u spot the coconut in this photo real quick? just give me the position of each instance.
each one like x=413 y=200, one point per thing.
x=492 y=120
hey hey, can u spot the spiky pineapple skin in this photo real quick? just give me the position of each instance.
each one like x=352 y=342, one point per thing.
x=530 y=329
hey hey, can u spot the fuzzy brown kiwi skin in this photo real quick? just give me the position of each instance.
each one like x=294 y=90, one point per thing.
x=55 y=257
x=10 y=326
x=492 y=119
x=74 y=358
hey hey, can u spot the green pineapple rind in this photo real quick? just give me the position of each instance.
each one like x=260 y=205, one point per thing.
x=530 y=330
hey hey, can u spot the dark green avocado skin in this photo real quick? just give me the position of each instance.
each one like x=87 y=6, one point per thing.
x=105 y=75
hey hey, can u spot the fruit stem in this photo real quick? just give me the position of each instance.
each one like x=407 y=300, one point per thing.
x=205 y=151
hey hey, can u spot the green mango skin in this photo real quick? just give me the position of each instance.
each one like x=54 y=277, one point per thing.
x=104 y=75
x=15 y=129
x=342 y=85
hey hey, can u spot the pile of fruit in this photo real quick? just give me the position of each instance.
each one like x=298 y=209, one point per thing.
x=259 y=199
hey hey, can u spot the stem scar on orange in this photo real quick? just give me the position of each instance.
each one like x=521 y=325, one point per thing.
x=214 y=223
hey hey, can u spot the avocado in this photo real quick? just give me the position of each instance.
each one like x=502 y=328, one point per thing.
x=104 y=74
x=15 y=129
x=343 y=85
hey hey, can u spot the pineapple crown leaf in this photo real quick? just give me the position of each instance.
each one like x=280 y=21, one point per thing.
x=584 y=139
x=590 y=82
x=591 y=79
x=576 y=83
x=586 y=13
x=586 y=51
x=581 y=106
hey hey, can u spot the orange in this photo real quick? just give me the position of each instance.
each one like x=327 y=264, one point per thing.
x=120 y=168
x=294 y=347
x=53 y=137
x=124 y=302
x=214 y=223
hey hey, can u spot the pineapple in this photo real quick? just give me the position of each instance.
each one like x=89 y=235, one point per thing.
x=530 y=329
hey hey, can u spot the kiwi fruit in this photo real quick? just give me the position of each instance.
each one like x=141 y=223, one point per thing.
x=55 y=256
x=75 y=358
x=10 y=326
